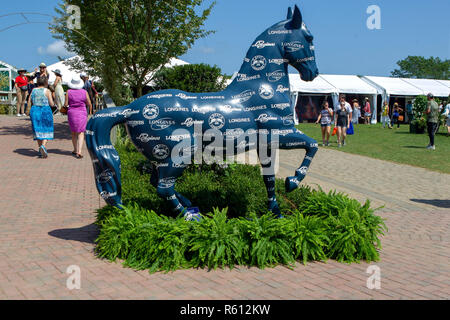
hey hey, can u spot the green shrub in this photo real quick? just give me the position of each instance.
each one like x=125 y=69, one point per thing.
x=216 y=241
x=236 y=228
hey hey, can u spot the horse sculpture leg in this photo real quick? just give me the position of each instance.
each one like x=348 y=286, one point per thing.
x=269 y=179
x=297 y=140
x=165 y=188
x=154 y=179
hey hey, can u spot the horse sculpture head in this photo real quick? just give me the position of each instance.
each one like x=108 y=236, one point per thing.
x=296 y=47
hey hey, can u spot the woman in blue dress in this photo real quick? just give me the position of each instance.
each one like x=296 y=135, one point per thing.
x=41 y=115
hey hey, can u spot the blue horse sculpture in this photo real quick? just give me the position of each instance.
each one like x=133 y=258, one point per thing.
x=254 y=112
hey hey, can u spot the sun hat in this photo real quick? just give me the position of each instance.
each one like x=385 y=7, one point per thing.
x=58 y=72
x=430 y=95
x=75 y=83
x=21 y=69
x=83 y=75
x=42 y=65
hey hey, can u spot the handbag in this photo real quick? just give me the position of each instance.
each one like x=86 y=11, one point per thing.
x=334 y=131
x=63 y=110
x=400 y=118
x=350 y=130
x=24 y=88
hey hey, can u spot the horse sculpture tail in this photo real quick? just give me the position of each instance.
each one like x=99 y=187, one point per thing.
x=105 y=158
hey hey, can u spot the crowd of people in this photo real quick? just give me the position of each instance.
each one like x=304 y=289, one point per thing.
x=41 y=101
x=344 y=117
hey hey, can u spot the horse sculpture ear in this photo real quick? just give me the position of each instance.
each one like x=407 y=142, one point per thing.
x=297 y=18
x=289 y=13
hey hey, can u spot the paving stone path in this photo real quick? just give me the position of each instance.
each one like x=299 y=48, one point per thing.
x=47 y=210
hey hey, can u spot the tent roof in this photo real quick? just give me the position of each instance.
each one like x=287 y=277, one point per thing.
x=428 y=85
x=318 y=85
x=395 y=86
x=349 y=84
x=68 y=73
x=444 y=82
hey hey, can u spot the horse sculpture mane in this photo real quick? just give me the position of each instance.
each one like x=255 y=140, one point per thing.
x=172 y=127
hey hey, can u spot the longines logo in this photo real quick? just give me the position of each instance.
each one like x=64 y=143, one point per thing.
x=238 y=120
x=189 y=122
x=243 y=77
x=128 y=112
x=263 y=118
x=105 y=176
x=280 y=106
x=185 y=97
x=306 y=59
x=260 y=44
x=275 y=75
x=135 y=123
x=292 y=46
x=266 y=92
x=282 y=89
x=204 y=109
x=278 y=61
x=161 y=124
x=243 y=96
x=178 y=137
x=160 y=151
x=176 y=109
x=150 y=111
x=144 y=137
x=258 y=63
x=159 y=96
x=261 y=107
x=216 y=121
x=279 y=31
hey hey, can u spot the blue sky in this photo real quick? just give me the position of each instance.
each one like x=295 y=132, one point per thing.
x=344 y=44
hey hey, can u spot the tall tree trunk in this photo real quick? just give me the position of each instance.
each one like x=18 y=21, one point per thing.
x=139 y=89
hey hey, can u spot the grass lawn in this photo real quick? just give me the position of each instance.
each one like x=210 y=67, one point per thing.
x=397 y=145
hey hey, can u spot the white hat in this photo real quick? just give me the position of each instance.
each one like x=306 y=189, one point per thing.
x=76 y=83
x=83 y=74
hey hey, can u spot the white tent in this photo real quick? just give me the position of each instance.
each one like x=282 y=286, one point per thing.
x=351 y=84
x=435 y=87
x=444 y=82
x=317 y=86
x=68 y=73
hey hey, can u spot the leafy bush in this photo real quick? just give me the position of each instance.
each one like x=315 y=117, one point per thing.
x=190 y=78
x=317 y=226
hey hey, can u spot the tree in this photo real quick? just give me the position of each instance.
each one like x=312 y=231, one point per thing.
x=125 y=41
x=420 y=67
x=191 y=78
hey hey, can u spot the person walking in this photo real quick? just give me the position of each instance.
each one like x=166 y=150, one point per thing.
x=77 y=99
x=385 y=115
x=342 y=122
x=432 y=113
x=367 y=111
x=447 y=114
x=409 y=111
x=41 y=115
x=90 y=88
x=325 y=117
x=59 y=90
x=356 y=114
x=396 y=114
x=21 y=85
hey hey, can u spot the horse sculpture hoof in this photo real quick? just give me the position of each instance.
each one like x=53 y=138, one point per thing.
x=291 y=183
x=192 y=214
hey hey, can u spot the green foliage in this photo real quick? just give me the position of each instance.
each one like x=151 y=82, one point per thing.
x=421 y=67
x=216 y=241
x=317 y=226
x=309 y=237
x=190 y=78
x=267 y=240
x=124 y=41
x=419 y=107
x=4 y=81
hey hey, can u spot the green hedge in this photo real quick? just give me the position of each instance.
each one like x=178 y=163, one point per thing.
x=236 y=228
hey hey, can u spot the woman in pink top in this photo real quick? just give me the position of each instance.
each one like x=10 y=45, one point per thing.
x=77 y=98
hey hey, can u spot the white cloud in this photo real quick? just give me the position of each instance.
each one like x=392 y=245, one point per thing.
x=56 y=48
x=207 y=50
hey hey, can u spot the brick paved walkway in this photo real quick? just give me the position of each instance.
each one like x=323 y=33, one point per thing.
x=47 y=210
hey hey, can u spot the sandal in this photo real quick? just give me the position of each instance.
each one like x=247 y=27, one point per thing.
x=43 y=151
x=79 y=156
